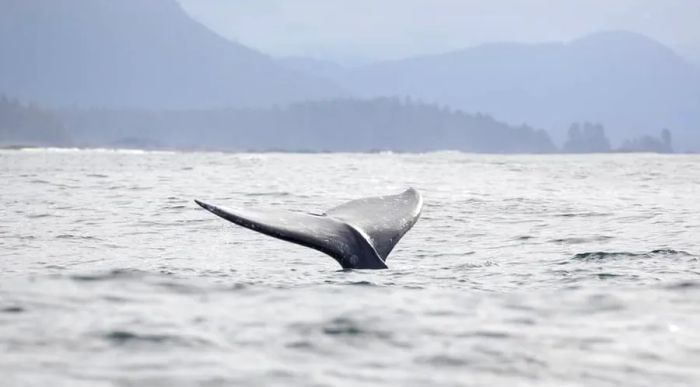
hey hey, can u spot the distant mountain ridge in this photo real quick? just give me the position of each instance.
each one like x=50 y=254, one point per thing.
x=632 y=84
x=136 y=53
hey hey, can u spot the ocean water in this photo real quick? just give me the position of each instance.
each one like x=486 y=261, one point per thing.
x=523 y=271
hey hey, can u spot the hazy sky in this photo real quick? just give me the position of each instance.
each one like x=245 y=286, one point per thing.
x=357 y=30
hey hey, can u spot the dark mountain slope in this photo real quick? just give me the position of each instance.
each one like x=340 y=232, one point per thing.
x=145 y=53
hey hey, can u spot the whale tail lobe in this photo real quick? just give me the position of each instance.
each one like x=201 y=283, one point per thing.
x=358 y=234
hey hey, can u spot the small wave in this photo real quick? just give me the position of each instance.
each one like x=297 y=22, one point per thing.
x=124 y=337
x=605 y=276
x=486 y=334
x=443 y=361
x=175 y=207
x=301 y=344
x=111 y=275
x=581 y=214
x=178 y=287
x=602 y=255
x=126 y=151
x=49 y=149
x=361 y=283
x=471 y=265
x=38 y=216
x=77 y=237
x=275 y=194
x=683 y=285
x=343 y=326
x=581 y=240
x=138 y=188
x=39 y=181
x=12 y=309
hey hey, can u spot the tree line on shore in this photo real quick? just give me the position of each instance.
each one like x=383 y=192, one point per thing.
x=343 y=125
x=28 y=124
x=590 y=137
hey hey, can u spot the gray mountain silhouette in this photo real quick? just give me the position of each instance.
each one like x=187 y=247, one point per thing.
x=632 y=84
x=137 y=53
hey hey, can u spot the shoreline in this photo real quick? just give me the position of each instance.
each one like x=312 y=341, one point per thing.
x=28 y=147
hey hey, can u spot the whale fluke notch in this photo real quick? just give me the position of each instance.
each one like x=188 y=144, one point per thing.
x=359 y=234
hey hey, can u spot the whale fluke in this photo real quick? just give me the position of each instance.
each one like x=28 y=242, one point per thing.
x=359 y=234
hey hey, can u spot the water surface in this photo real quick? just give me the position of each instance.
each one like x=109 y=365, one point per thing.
x=523 y=270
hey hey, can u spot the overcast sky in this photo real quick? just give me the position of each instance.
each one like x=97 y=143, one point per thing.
x=366 y=30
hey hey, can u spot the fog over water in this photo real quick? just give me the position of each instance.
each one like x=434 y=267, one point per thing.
x=523 y=270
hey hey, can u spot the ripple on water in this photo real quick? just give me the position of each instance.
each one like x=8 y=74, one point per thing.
x=581 y=240
x=603 y=255
x=343 y=327
x=156 y=340
x=115 y=274
x=12 y=309
x=78 y=237
x=684 y=285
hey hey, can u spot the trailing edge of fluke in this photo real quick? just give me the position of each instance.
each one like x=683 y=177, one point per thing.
x=358 y=234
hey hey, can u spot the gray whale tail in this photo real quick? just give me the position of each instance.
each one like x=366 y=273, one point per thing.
x=359 y=234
